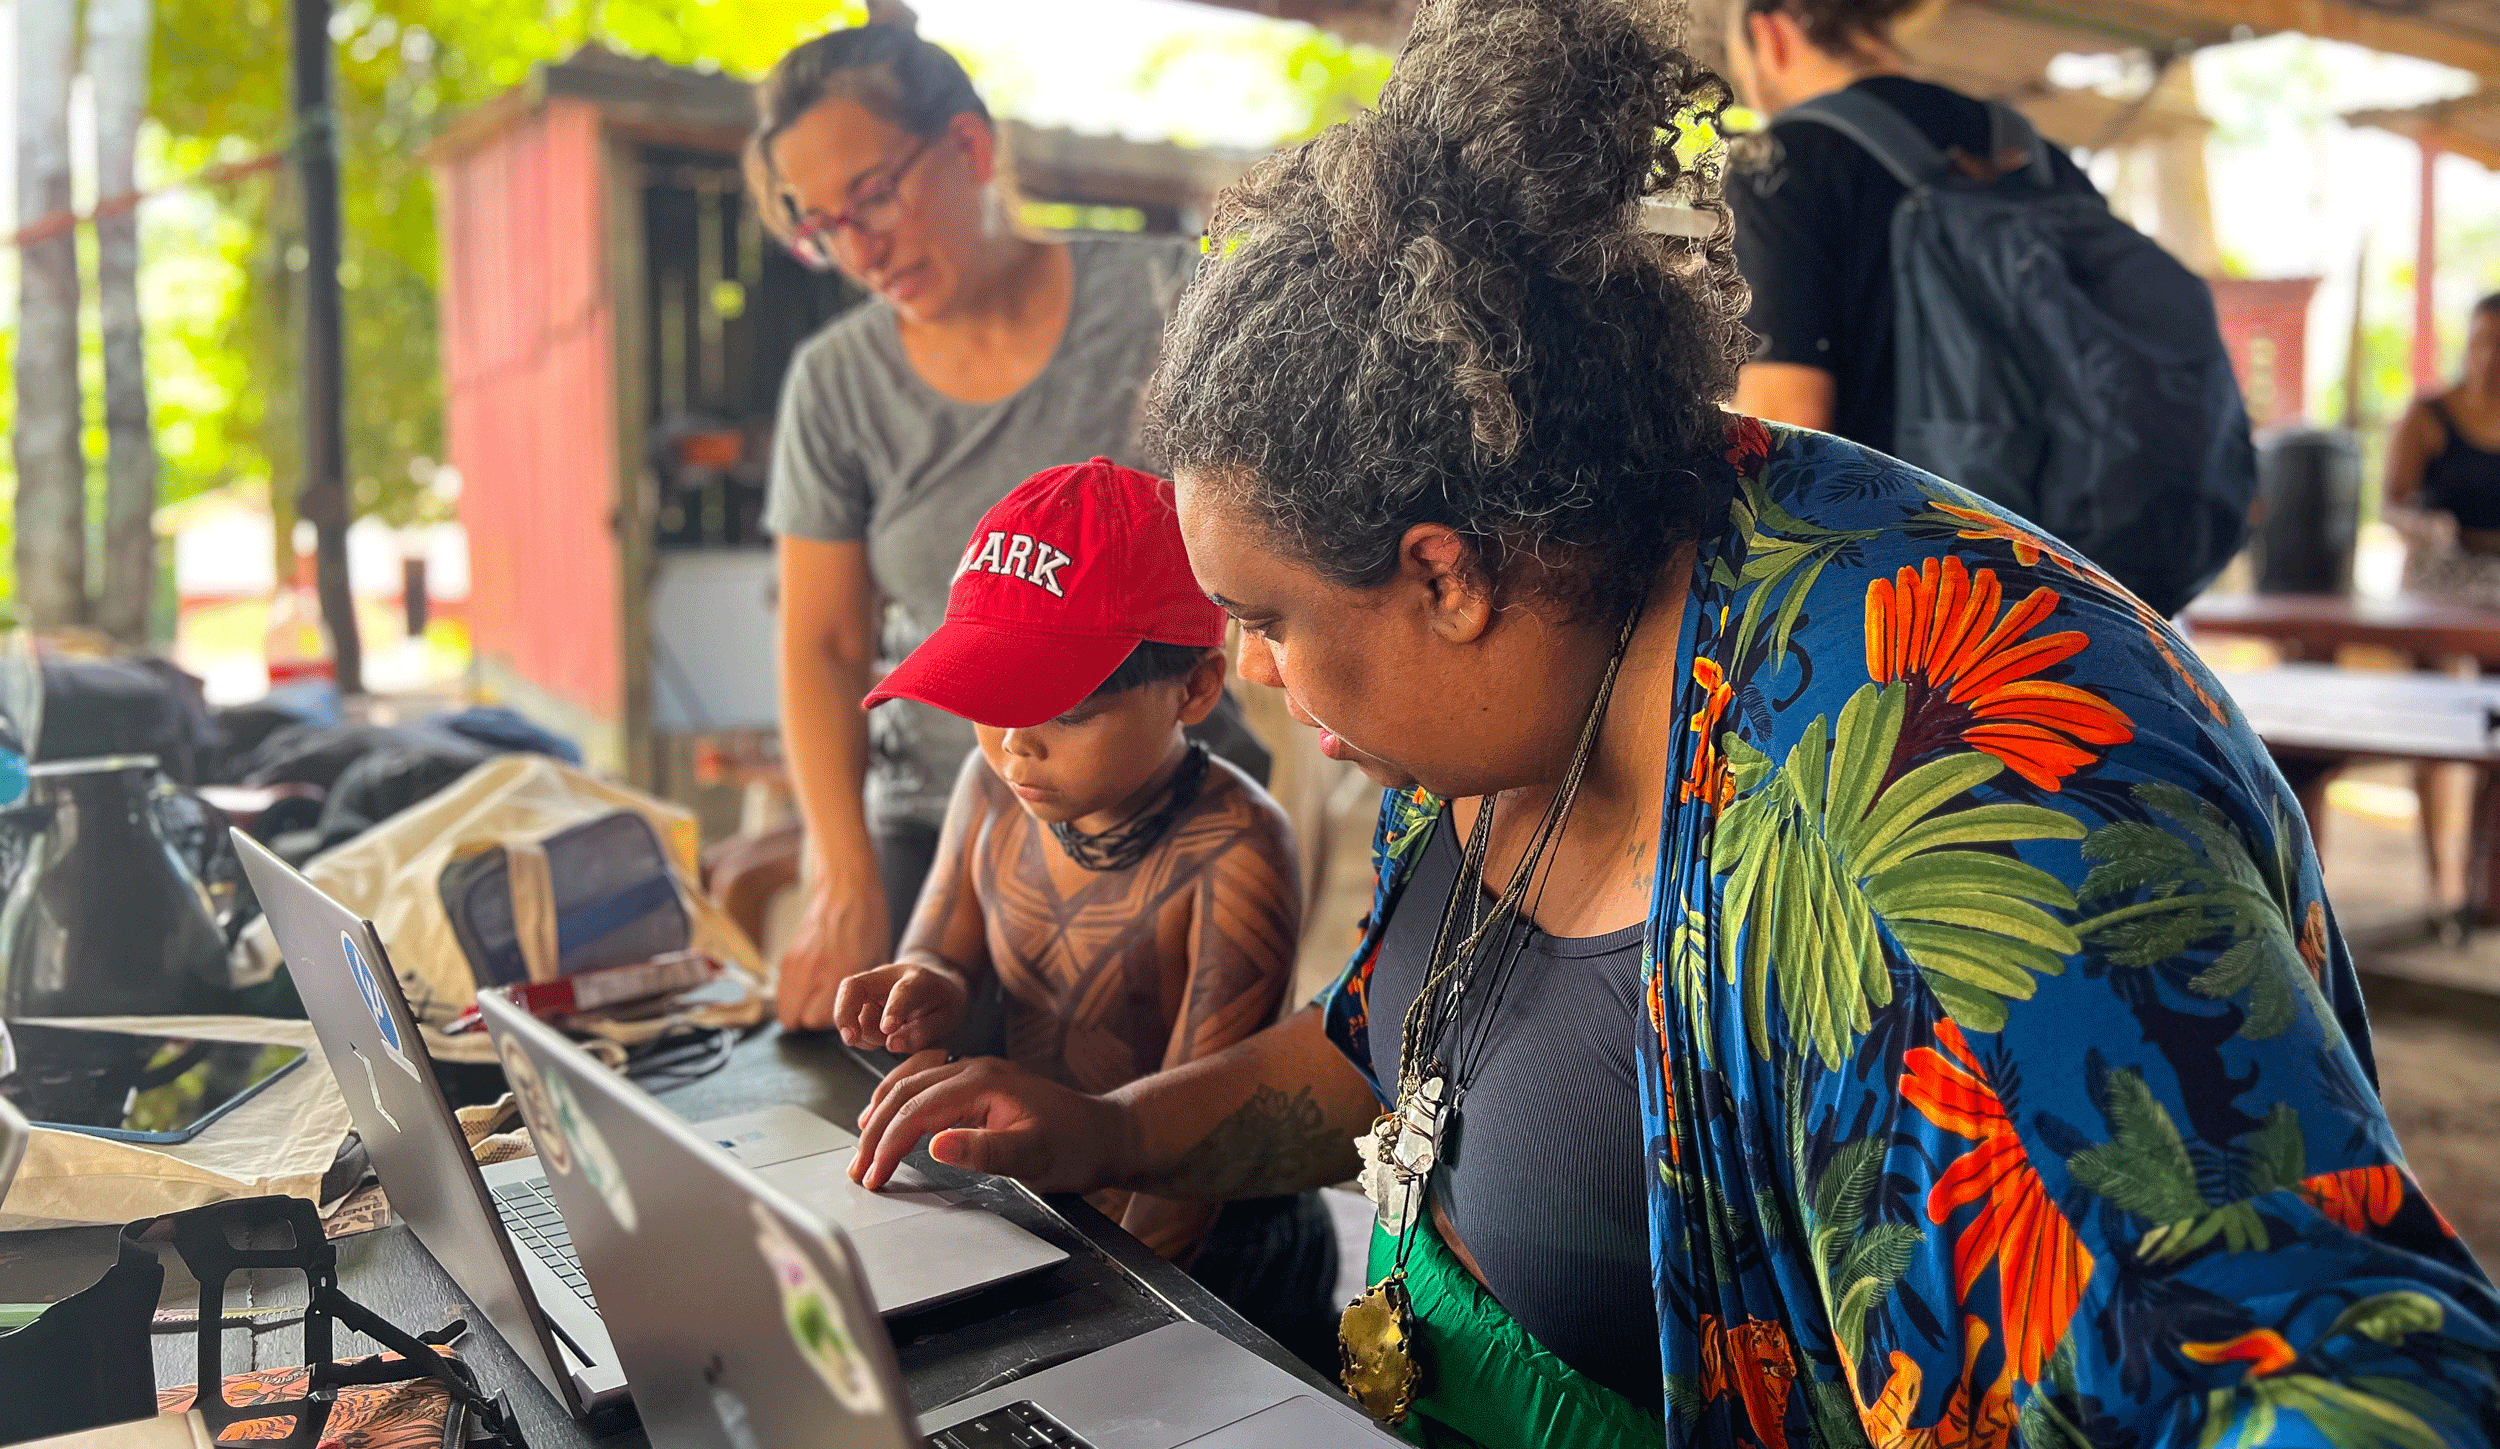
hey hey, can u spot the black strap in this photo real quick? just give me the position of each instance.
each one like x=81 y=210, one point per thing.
x=1905 y=151
x=211 y=1241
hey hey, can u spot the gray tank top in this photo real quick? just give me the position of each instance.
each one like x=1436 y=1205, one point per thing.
x=1542 y=1175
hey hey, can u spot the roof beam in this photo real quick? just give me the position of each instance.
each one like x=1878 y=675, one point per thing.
x=2469 y=126
x=2340 y=20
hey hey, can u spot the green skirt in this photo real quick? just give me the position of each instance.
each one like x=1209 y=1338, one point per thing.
x=1487 y=1384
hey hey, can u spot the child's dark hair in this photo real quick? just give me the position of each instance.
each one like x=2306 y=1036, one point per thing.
x=1150 y=663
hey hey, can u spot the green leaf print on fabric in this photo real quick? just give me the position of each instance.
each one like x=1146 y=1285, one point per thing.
x=1828 y=861
x=2145 y=1169
x=2162 y=893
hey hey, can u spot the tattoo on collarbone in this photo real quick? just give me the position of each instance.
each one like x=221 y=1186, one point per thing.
x=1271 y=1144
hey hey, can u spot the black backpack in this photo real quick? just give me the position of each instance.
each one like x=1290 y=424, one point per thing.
x=2057 y=361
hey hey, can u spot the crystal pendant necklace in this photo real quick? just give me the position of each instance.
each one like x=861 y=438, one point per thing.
x=1376 y=1334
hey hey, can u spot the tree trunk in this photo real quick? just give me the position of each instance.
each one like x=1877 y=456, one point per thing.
x=51 y=466
x=117 y=64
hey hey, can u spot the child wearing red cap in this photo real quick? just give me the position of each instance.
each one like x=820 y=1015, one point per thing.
x=1134 y=898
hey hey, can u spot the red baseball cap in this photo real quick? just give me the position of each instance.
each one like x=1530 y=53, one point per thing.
x=1067 y=575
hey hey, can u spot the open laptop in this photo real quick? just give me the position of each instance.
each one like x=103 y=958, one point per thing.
x=15 y=1133
x=497 y=1232
x=780 y=1347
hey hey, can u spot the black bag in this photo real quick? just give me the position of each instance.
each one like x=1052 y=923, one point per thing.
x=87 y=1362
x=2057 y=361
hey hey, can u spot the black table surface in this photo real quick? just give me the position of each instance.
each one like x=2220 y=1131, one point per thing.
x=1111 y=1287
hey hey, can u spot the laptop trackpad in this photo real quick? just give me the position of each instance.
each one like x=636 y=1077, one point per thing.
x=1302 y=1421
x=823 y=1182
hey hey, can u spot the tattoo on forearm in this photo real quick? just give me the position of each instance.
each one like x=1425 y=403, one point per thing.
x=1271 y=1144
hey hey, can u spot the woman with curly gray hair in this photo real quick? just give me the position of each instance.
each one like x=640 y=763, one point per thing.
x=1820 y=918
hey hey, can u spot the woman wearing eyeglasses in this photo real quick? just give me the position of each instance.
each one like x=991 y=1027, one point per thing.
x=984 y=355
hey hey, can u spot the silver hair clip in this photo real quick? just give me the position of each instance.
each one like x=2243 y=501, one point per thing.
x=1668 y=218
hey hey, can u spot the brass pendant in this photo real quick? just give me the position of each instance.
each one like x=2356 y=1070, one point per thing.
x=1376 y=1340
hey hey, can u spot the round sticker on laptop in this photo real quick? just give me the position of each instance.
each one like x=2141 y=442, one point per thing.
x=368 y=987
x=817 y=1321
x=599 y=1166
x=546 y=1131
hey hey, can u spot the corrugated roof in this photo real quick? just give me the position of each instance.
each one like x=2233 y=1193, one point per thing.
x=708 y=110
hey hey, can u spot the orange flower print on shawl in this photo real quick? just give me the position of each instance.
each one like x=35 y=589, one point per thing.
x=1973 y=675
x=2358 y=1198
x=1748 y=444
x=1751 y=1360
x=1986 y=1422
x=2313 y=939
x=2262 y=1349
x=1708 y=780
x=2041 y=1265
x=2028 y=550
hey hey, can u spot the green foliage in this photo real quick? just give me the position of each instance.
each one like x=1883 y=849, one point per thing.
x=1825 y=854
x=2144 y=1169
x=2388 y=1317
x=2043 y=1424
x=2166 y=891
x=2276 y=1153
x=1782 y=553
x=1683 y=1395
x=1319 y=77
x=2346 y=1416
x=1858 y=1265
x=404 y=68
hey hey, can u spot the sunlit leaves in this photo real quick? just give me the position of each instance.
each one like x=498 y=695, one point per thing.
x=405 y=68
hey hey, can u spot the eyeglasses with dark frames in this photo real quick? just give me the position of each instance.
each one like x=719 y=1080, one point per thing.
x=812 y=233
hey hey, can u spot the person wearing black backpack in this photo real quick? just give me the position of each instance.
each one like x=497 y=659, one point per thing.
x=1891 y=230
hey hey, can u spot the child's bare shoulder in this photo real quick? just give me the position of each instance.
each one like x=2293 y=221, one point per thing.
x=1234 y=805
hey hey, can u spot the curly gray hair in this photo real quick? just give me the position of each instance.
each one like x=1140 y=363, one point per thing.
x=1448 y=309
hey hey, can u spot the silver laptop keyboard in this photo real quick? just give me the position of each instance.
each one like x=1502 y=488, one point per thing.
x=529 y=1212
x=1021 y=1425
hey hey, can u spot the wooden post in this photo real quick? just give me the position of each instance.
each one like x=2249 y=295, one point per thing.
x=322 y=384
x=48 y=439
x=2356 y=361
x=117 y=63
x=2426 y=379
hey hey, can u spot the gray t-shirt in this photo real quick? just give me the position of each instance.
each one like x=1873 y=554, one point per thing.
x=865 y=449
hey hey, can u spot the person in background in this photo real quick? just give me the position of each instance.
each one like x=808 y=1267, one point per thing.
x=2443 y=497
x=1814 y=210
x=1135 y=898
x=984 y=355
x=2445 y=457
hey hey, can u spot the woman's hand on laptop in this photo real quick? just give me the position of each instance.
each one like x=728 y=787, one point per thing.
x=906 y=1007
x=988 y=1115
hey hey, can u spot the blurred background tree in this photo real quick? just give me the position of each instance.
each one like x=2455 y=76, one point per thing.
x=404 y=68
x=220 y=262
